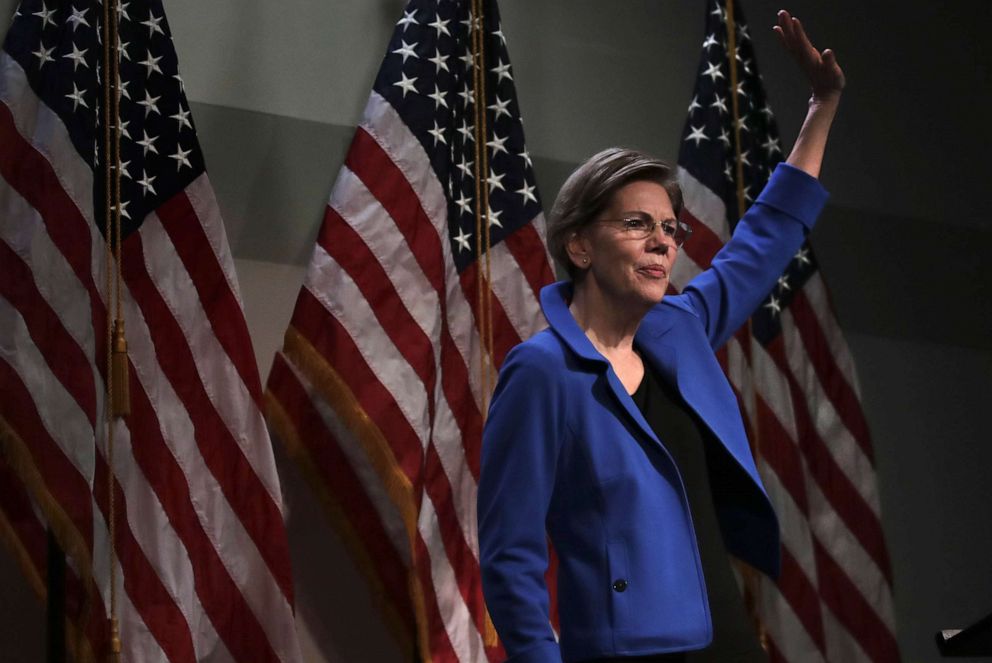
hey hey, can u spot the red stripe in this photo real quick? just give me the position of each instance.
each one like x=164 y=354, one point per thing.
x=153 y=602
x=504 y=334
x=16 y=506
x=779 y=450
x=442 y=651
x=834 y=383
x=394 y=192
x=384 y=180
x=245 y=492
x=32 y=176
x=327 y=337
x=62 y=354
x=334 y=343
x=221 y=306
x=704 y=244
x=801 y=595
x=527 y=249
x=838 y=489
x=218 y=593
x=62 y=480
x=853 y=611
x=339 y=479
x=346 y=247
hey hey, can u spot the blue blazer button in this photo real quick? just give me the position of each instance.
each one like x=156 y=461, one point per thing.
x=619 y=585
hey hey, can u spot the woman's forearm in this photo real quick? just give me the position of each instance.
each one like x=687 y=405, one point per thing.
x=807 y=153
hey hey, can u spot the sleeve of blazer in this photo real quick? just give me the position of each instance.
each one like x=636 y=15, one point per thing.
x=520 y=447
x=765 y=240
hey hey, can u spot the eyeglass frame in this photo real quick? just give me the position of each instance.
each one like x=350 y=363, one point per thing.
x=652 y=225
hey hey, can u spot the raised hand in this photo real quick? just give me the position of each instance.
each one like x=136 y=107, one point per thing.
x=822 y=71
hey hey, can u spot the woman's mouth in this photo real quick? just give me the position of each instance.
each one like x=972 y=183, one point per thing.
x=653 y=271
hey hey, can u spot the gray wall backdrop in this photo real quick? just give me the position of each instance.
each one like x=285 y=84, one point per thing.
x=276 y=89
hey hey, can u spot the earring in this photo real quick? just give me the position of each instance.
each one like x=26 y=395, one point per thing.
x=585 y=261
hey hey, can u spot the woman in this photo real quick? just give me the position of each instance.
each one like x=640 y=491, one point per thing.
x=595 y=419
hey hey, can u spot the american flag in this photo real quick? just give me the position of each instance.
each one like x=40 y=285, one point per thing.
x=794 y=375
x=203 y=562
x=417 y=288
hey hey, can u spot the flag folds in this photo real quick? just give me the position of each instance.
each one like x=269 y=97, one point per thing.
x=795 y=378
x=425 y=273
x=202 y=557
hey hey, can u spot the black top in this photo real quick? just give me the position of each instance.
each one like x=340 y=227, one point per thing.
x=694 y=451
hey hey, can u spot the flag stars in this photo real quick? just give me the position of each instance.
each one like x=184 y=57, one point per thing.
x=466 y=95
x=439 y=61
x=500 y=107
x=462 y=238
x=151 y=64
x=182 y=157
x=44 y=55
x=406 y=84
x=150 y=104
x=122 y=208
x=77 y=56
x=525 y=155
x=147 y=143
x=493 y=218
x=771 y=146
x=719 y=103
x=527 y=192
x=182 y=117
x=495 y=181
x=694 y=104
x=46 y=16
x=502 y=70
x=802 y=256
x=440 y=27
x=498 y=32
x=466 y=130
x=741 y=124
x=146 y=183
x=406 y=50
x=122 y=12
x=464 y=203
x=724 y=137
x=773 y=305
x=466 y=167
x=438 y=98
x=438 y=134
x=783 y=283
x=123 y=130
x=498 y=144
x=408 y=19
x=710 y=41
x=122 y=49
x=153 y=24
x=467 y=59
x=697 y=135
x=713 y=71
x=77 y=98
x=78 y=17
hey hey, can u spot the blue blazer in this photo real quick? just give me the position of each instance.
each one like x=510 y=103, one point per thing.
x=566 y=454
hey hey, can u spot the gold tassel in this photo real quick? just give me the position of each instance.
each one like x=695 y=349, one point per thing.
x=115 y=642
x=489 y=638
x=120 y=398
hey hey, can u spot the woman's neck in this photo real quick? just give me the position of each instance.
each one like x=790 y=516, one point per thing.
x=610 y=324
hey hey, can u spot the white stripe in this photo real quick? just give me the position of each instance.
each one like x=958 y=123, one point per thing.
x=795 y=529
x=514 y=292
x=842 y=646
x=60 y=414
x=685 y=270
x=703 y=204
x=464 y=636
x=841 y=445
x=403 y=148
x=847 y=552
x=160 y=544
x=353 y=450
x=201 y=197
x=233 y=402
x=784 y=627
x=816 y=293
x=223 y=528
x=45 y=131
x=333 y=288
x=773 y=388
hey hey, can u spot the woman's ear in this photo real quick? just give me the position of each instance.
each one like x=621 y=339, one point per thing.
x=577 y=246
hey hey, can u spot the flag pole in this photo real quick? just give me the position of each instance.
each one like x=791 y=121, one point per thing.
x=117 y=400
x=752 y=580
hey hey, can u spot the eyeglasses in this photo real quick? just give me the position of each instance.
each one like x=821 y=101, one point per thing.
x=637 y=227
